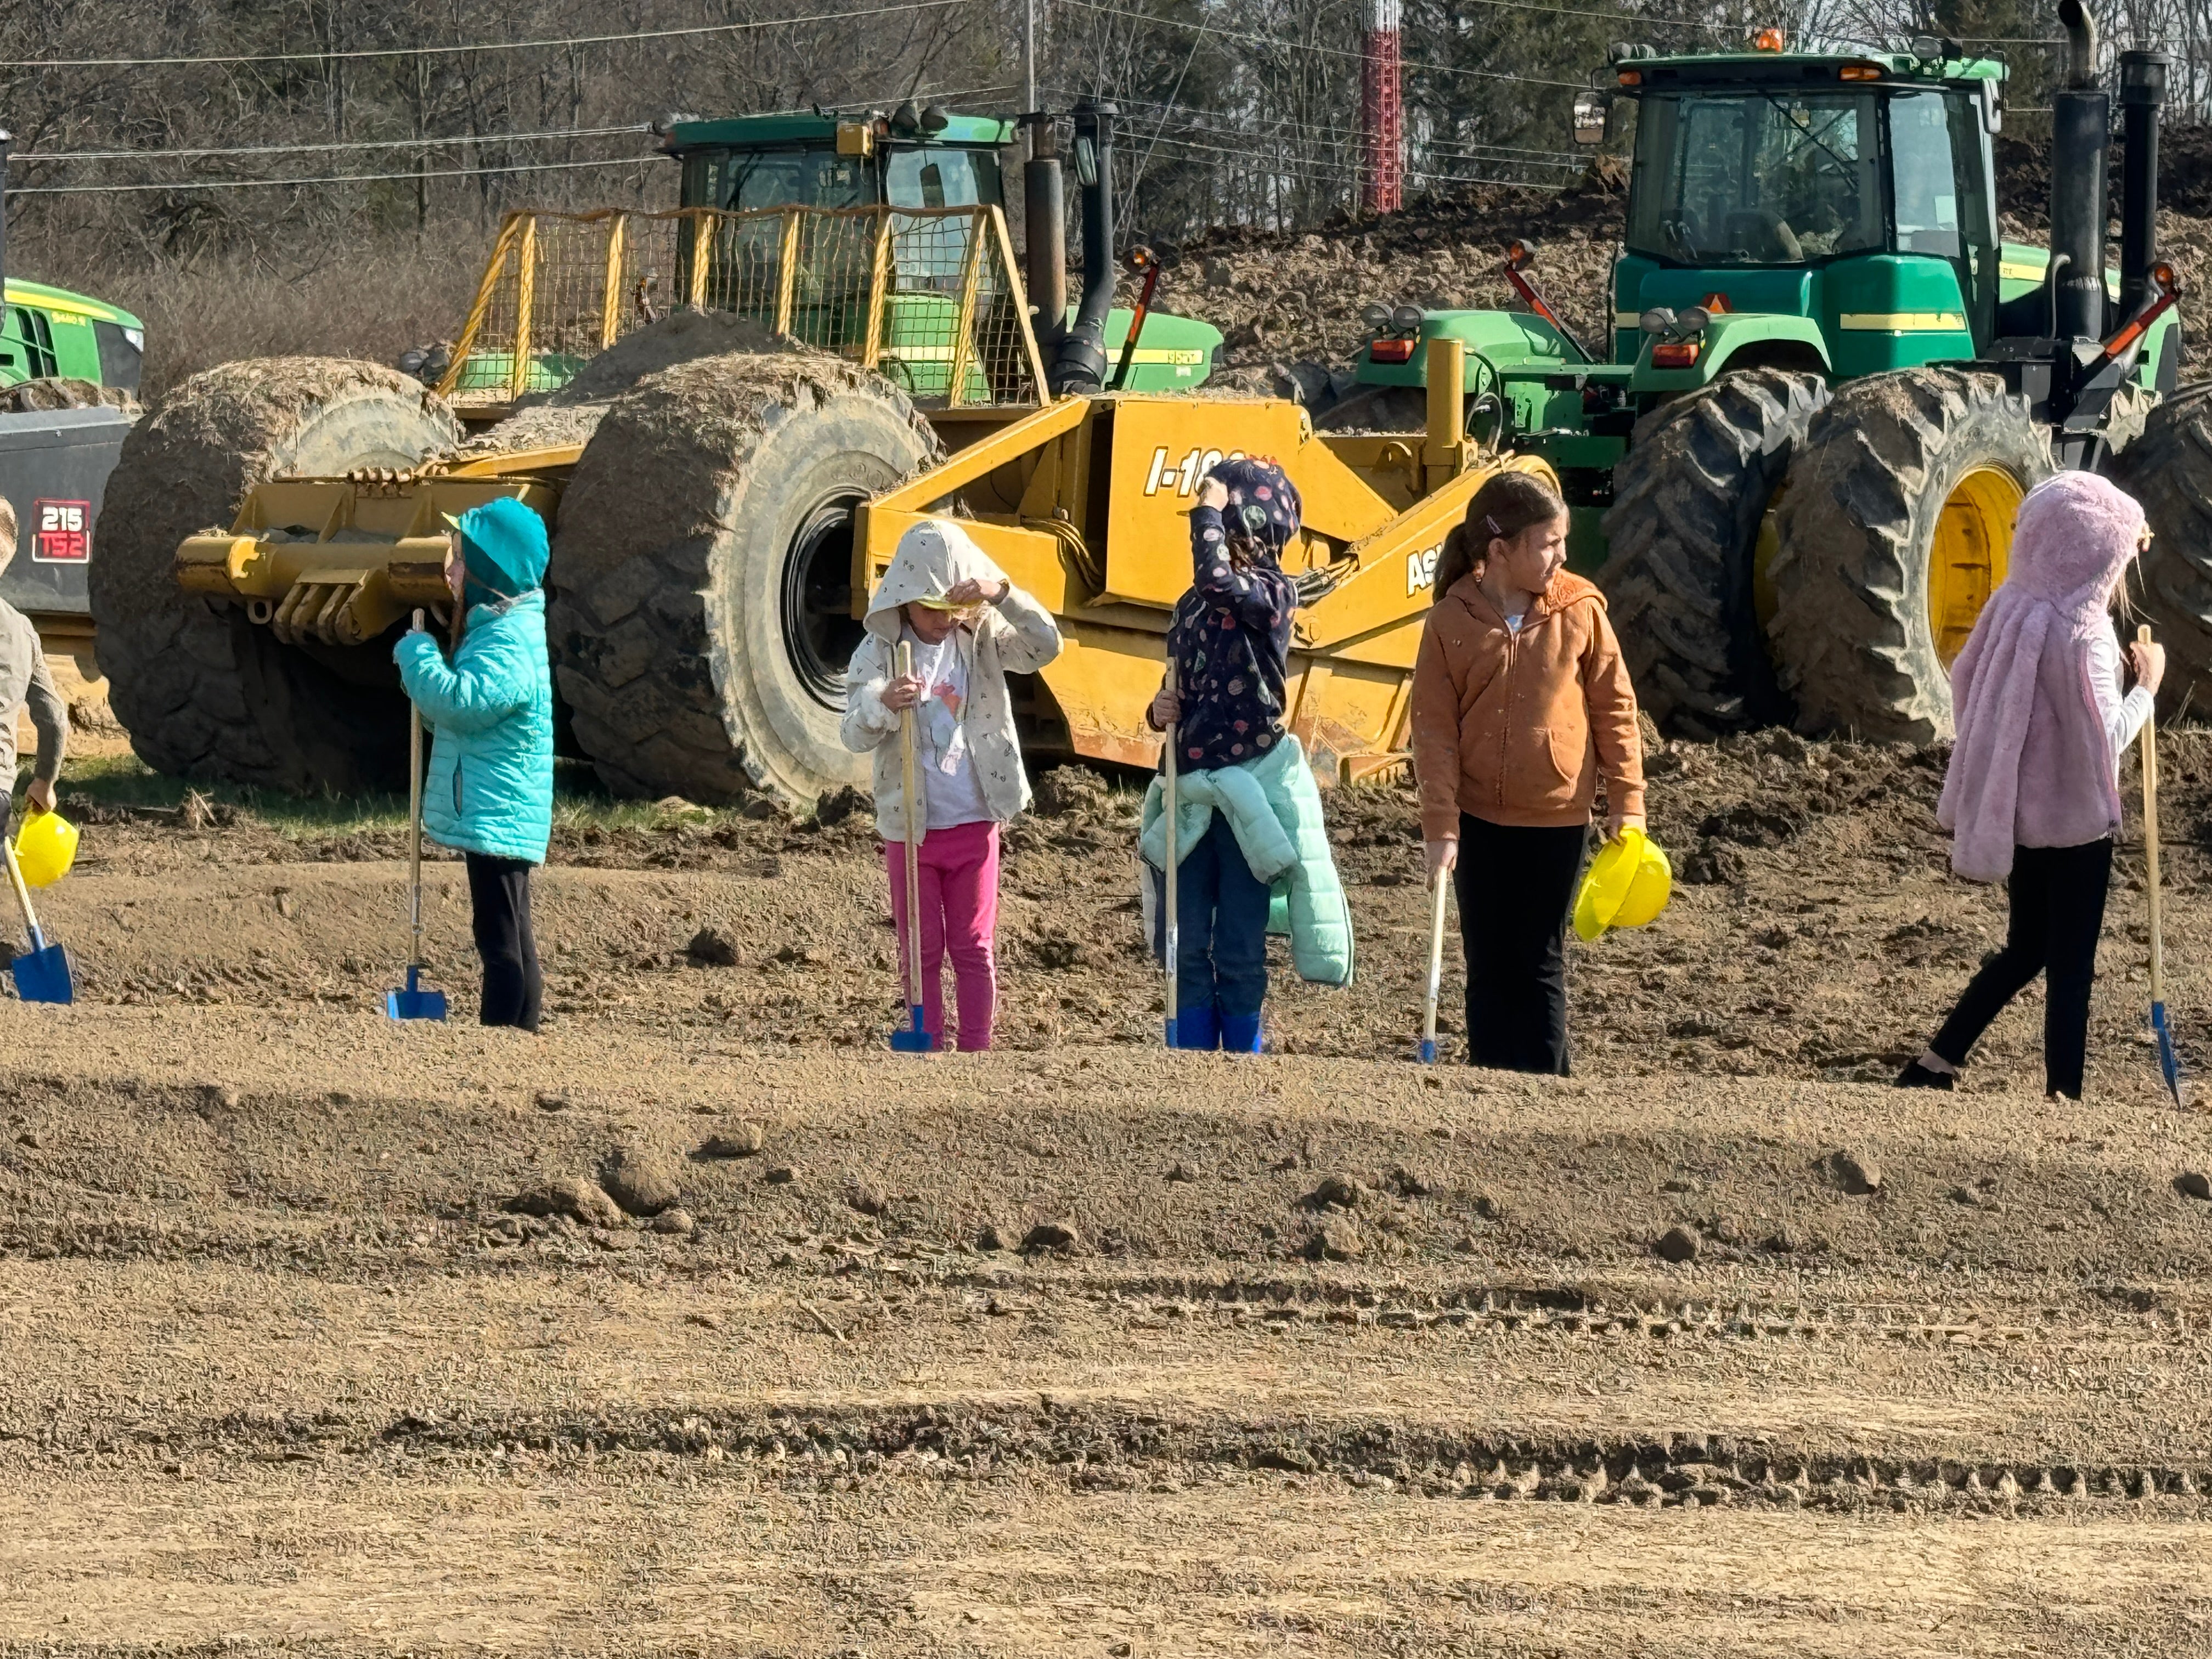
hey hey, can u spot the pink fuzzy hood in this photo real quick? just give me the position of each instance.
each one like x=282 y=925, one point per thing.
x=2032 y=766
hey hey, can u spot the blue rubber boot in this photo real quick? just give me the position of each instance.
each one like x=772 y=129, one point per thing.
x=1198 y=1027
x=1240 y=1034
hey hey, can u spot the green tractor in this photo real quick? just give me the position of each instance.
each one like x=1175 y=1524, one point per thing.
x=1795 y=463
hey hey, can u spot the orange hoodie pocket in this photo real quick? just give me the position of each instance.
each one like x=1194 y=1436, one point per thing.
x=1563 y=749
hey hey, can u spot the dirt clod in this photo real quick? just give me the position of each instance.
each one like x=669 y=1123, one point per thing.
x=582 y=1201
x=743 y=1141
x=643 y=1180
x=866 y=1198
x=549 y=1102
x=1336 y=1241
x=1855 y=1173
x=993 y=1236
x=2193 y=1183
x=1340 y=1191
x=782 y=1175
x=1678 y=1244
x=676 y=1224
x=1059 y=1236
x=710 y=947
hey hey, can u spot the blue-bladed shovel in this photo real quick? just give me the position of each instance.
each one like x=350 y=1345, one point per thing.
x=414 y=1002
x=915 y=1039
x=2161 y=1028
x=43 y=974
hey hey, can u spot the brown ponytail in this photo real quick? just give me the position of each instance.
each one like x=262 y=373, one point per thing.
x=1504 y=506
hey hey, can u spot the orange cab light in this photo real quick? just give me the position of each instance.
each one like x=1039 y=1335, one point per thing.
x=1859 y=72
x=1674 y=354
x=1768 y=40
x=1632 y=77
x=1390 y=351
x=2162 y=274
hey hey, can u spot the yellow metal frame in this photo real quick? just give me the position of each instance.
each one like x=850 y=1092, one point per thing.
x=516 y=267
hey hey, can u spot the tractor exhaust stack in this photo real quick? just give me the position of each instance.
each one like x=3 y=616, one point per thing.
x=1079 y=364
x=2143 y=90
x=2080 y=126
x=1044 y=225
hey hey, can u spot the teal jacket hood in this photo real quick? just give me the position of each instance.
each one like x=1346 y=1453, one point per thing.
x=504 y=547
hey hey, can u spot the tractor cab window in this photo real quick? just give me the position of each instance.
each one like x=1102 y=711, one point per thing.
x=934 y=176
x=1942 y=205
x=737 y=180
x=1757 y=178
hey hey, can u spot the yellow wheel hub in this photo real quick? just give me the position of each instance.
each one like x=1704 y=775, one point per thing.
x=1973 y=543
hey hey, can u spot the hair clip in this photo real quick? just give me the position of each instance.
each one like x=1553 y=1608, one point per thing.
x=1491 y=525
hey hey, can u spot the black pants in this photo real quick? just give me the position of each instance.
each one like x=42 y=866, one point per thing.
x=499 y=895
x=1516 y=890
x=2058 y=903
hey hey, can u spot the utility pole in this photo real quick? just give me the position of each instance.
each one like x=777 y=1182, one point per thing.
x=1381 y=112
x=1029 y=57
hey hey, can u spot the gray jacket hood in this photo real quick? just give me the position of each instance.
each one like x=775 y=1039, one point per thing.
x=932 y=558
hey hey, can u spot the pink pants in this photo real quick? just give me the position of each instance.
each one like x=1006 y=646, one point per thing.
x=959 y=913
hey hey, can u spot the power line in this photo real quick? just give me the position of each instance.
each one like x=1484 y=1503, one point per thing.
x=1332 y=129
x=1325 y=51
x=354 y=55
x=188 y=185
x=1316 y=167
x=295 y=149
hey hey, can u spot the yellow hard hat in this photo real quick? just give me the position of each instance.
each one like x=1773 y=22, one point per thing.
x=45 y=847
x=1629 y=883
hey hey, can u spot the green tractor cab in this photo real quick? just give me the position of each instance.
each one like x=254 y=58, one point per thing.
x=1794 y=461
x=925 y=161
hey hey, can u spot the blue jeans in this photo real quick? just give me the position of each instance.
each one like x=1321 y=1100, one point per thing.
x=1221 y=909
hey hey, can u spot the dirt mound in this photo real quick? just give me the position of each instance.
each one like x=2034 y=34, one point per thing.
x=676 y=338
x=1279 y=298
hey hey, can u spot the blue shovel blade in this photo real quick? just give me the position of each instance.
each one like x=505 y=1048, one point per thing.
x=2168 y=1061
x=912 y=1038
x=1428 y=1052
x=43 y=975
x=415 y=1002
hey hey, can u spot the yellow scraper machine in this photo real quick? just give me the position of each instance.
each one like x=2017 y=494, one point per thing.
x=1085 y=504
x=715 y=538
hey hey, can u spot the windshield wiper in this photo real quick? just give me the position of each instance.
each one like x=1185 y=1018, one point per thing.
x=1806 y=127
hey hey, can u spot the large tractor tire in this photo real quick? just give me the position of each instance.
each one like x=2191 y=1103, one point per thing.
x=204 y=692
x=1894 y=529
x=2169 y=470
x=1683 y=531
x=702 y=566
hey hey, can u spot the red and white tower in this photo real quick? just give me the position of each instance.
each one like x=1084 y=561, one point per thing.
x=1381 y=114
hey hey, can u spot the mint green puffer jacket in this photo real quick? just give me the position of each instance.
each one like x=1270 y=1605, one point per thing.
x=490 y=788
x=1274 y=810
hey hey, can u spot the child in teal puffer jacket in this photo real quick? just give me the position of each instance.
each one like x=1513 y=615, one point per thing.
x=489 y=794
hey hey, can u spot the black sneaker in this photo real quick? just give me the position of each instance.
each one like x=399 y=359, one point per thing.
x=1917 y=1075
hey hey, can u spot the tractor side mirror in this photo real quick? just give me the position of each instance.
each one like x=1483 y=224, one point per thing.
x=1593 y=117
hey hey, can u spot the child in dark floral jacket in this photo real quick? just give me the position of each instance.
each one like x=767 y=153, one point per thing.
x=1229 y=644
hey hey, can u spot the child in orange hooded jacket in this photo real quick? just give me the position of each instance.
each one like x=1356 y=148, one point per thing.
x=1520 y=704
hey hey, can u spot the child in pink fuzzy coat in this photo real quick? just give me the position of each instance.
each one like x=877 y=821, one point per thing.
x=2031 y=797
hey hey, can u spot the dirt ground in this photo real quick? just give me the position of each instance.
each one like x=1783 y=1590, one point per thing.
x=701 y=1323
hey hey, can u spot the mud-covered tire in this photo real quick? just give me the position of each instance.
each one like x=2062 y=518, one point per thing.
x=1681 y=534
x=202 y=691
x=2169 y=470
x=1855 y=644
x=690 y=666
